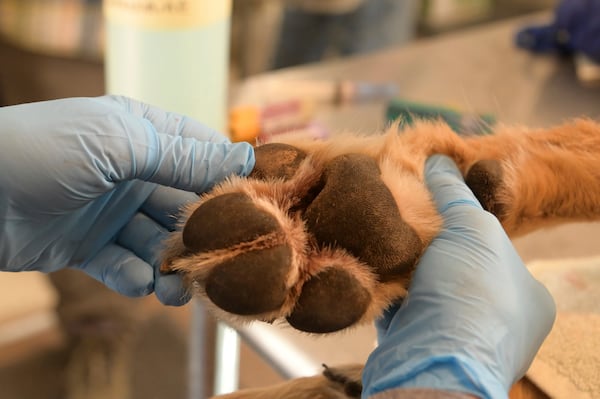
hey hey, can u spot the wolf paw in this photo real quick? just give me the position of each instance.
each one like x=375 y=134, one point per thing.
x=319 y=241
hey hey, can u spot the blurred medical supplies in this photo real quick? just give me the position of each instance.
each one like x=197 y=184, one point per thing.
x=574 y=31
x=288 y=107
x=260 y=124
x=325 y=91
x=465 y=123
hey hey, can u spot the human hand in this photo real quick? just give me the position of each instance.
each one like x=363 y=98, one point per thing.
x=575 y=29
x=96 y=183
x=474 y=317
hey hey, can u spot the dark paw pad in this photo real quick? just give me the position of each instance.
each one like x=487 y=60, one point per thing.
x=312 y=246
x=276 y=160
x=252 y=282
x=225 y=221
x=357 y=212
x=330 y=301
x=485 y=180
x=251 y=278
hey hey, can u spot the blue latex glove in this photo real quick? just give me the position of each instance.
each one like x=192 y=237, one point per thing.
x=575 y=29
x=95 y=184
x=474 y=317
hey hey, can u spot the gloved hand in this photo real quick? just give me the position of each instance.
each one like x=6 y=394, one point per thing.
x=575 y=29
x=95 y=184
x=474 y=317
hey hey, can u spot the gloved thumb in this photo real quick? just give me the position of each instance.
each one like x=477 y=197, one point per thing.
x=446 y=184
x=192 y=165
x=181 y=162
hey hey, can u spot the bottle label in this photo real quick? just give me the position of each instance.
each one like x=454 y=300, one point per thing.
x=165 y=14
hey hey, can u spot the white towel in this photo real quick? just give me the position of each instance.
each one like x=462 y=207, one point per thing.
x=568 y=364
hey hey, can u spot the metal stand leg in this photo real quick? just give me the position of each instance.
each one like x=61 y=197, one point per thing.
x=197 y=358
x=227 y=359
x=226 y=355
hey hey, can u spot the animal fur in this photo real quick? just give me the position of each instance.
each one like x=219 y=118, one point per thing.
x=334 y=383
x=326 y=234
x=345 y=383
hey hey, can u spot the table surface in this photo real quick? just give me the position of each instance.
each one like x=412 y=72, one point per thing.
x=475 y=70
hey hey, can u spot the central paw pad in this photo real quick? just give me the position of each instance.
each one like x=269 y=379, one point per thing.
x=357 y=212
x=320 y=242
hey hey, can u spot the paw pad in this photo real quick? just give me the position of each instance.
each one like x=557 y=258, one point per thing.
x=485 y=179
x=252 y=283
x=318 y=241
x=277 y=161
x=356 y=211
x=226 y=221
x=330 y=301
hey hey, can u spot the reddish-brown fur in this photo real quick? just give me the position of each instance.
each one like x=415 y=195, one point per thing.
x=538 y=177
x=547 y=176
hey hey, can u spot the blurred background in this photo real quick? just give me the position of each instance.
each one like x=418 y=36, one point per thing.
x=54 y=48
x=63 y=335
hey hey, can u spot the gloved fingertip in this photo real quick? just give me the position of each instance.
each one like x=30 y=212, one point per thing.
x=121 y=270
x=447 y=185
x=436 y=164
x=547 y=304
x=170 y=291
x=245 y=153
x=223 y=160
x=134 y=279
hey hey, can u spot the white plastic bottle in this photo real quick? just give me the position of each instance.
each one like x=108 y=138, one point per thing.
x=170 y=53
x=175 y=54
